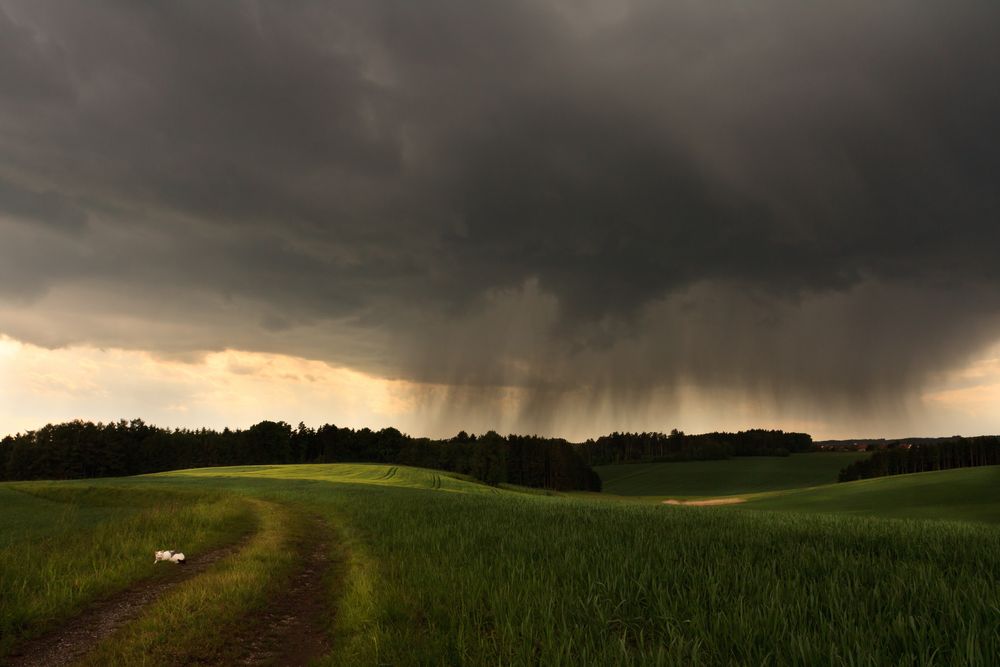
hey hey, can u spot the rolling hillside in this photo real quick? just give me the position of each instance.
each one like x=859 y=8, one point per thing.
x=752 y=474
x=429 y=569
x=342 y=473
x=967 y=494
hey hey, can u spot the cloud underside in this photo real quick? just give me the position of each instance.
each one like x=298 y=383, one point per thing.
x=797 y=200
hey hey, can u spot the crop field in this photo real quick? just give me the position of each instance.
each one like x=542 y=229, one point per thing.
x=428 y=568
x=748 y=474
x=970 y=494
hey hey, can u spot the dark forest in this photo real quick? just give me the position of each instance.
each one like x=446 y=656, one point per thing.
x=938 y=454
x=79 y=449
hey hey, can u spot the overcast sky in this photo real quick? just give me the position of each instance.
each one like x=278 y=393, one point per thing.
x=563 y=217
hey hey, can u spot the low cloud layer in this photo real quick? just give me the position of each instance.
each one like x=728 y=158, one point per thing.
x=595 y=203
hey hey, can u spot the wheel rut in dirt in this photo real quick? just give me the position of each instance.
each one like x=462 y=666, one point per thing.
x=294 y=626
x=77 y=636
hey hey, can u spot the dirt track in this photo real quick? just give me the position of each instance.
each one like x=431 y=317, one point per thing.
x=705 y=503
x=76 y=637
x=294 y=627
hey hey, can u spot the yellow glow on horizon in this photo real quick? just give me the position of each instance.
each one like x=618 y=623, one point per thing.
x=238 y=388
x=973 y=391
x=226 y=388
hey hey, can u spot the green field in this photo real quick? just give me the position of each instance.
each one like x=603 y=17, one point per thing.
x=749 y=474
x=440 y=570
x=970 y=494
x=65 y=544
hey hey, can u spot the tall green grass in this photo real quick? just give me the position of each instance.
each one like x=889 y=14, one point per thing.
x=65 y=544
x=497 y=577
x=523 y=579
x=550 y=581
x=191 y=624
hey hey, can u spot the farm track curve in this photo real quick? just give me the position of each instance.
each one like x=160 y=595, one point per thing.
x=76 y=637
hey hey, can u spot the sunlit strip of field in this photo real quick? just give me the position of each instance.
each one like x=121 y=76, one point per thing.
x=348 y=473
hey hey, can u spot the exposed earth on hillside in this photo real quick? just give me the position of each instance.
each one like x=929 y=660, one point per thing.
x=705 y=503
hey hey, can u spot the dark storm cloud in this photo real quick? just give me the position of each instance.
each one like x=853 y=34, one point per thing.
x=43 y=208
x=790 y=197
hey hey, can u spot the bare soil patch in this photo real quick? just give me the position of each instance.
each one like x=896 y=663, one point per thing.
x=706 y=503
x=77 y=636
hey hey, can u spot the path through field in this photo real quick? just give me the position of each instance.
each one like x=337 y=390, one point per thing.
x=705 y=503
x=293 y=629
x=75 y=638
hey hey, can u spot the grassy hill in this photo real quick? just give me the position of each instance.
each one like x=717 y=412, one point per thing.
x=751 y=474
x=475 y=575
x=343 y=473
x=967 y=494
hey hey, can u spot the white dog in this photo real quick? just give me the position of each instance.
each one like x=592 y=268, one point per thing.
x=172 y=556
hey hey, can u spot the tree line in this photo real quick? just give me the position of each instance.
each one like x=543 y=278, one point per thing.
x=80 y=449
x=679 y=446
x=940 y=454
